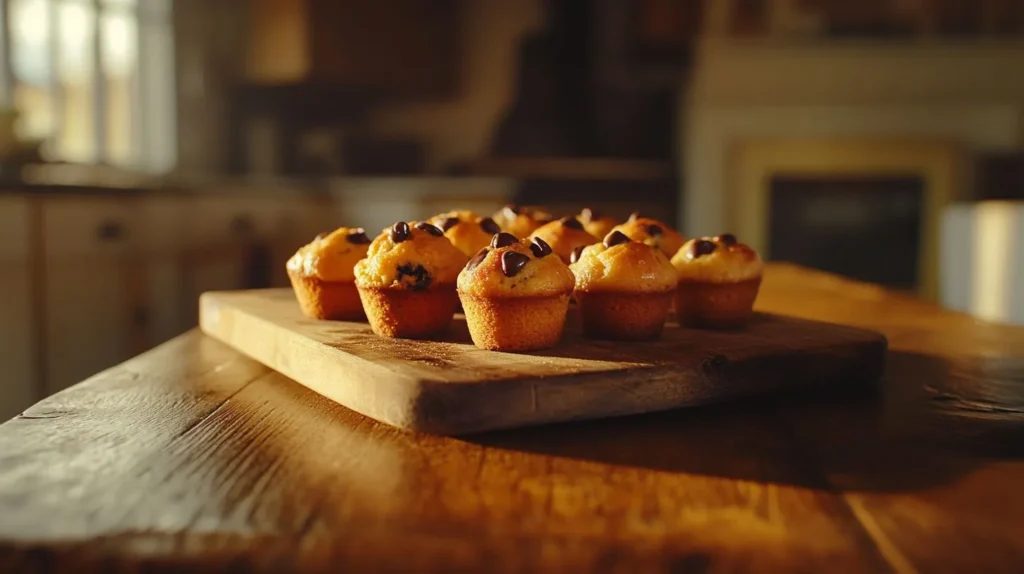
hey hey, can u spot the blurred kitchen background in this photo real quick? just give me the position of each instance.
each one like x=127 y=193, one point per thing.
x=151 y=150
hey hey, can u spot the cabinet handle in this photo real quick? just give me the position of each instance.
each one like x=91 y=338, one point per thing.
x=110 y=231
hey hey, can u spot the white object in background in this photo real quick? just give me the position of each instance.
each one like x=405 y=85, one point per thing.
x=982 y=260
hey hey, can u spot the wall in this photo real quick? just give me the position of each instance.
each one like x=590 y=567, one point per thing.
x=461 y=128
x=969 y=92
x=738 y=72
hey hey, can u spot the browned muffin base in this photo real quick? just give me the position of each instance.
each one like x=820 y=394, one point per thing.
x=715 y=305
x=623 y=316
x=334 y=300
x=515 y=323
x=409 y=314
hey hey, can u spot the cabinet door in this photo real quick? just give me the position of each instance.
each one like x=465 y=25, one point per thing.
x=230 y=239
x=156 y=270
x=222 y=270
x=161 y=312
x=87 y=320
x=298 y=221
x=338 y=42
x=17 y=332
x=418 y=59
x=88 y=242
x=17 y=357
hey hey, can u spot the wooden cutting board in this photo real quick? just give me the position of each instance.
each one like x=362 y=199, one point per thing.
x=450 y=387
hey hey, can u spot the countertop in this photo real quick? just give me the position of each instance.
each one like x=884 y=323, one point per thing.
x=192 y=455
x=70 y=179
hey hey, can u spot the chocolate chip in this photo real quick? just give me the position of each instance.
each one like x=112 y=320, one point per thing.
x=540 y=248
x=477 y=259
x=655 y=230
x=449 y=222
x=321 y=235
x=488 y=225
x=420 y=276
x=572 y=223
x=702 y=247
x=429 y=228
x=616 y=238
x=503 y=240
x=726 y=239
x=512 y=262
x=588 y=215
x=575 y=255
x=358 y=237
x=400 y=232
x=634 y=216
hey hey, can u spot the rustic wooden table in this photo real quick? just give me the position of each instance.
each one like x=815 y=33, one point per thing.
x=192 y=455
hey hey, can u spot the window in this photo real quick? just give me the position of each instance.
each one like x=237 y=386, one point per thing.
x=92 y=79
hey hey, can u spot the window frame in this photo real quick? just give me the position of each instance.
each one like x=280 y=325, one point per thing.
x=153 y=108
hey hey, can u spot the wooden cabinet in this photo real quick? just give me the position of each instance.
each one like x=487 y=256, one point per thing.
x=154 y=276
x=17 y=351
x=112 y=281
x=17 y=336
x=89 y=281
x=214 y=270
x=88 y=248
x=403 y=47
x=233 y=241
x=87 y=325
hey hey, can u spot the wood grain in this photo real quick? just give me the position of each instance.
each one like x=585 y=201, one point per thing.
x=194 y=458
x=448 y=386
x=232 y=458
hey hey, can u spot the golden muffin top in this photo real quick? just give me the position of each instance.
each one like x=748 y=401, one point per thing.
x=652 y=232
x=564 y=236
x=510 y=267
x=595 y=223
x=521 y=220
x=621 y=264
x=413 y=256
x=718 y=259
x=331 y=256
x=466 y=230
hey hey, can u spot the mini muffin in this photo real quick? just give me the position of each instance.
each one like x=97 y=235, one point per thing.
x=595 y=223
x=565 y=236
x=652 y=232
x=407 y=281
x=718 y=282
x=515 y=294
x=623 y=289
x=466 y=230
x=322 y=274
x=521 y=220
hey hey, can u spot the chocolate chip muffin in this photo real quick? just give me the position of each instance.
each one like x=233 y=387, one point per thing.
x=565 y=236
x=466 y=230
x=596 y=223
x=521 y=220
x=407 y=281
x=323 y=276
x=623 y=289
x=652 y=232
x=515 y=294
x=718 y=282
